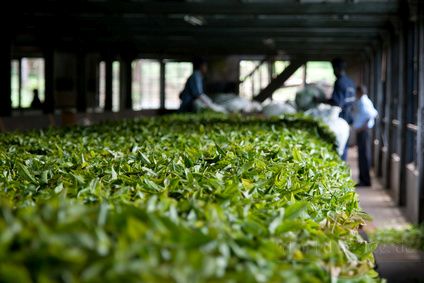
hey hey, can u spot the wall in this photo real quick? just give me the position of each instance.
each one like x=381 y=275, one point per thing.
x=223 y=74
x=65 y=76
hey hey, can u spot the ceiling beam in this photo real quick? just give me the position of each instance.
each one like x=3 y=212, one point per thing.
x=107 y=35
x=211 y=21
x=302 y=43
x=206 y=8
x=211 y=32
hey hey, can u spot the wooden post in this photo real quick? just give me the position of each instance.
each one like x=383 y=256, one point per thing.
x=252 y=85
x=49 y=99
x=420 y=137
x=371 y=94
x=387 y=117
x=401 y=138
x=5 y=75
x=379 y=103
x=409 y=86
x=162 y=84
x=108 y=83
x=81 y=83
x=126 y=83
x=20 y=84
x=270 y=70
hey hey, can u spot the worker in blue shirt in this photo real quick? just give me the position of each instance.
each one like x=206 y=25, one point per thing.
x=343 y=94
x=363 y=115
x=193 y=89
x=344 y=90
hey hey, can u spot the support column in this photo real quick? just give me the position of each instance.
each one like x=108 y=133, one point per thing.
x=401 y=139
x=366 y=70
x=162 y=84
x=20 y=84
x=5 y=77
x=108 y=84
x=378 y=88
x=49 y=101
x=81 y=83
x=126 y=83
x=305 y=73
x=420 y=137
x=371 y=94
x=270 y=68
x=387 y=117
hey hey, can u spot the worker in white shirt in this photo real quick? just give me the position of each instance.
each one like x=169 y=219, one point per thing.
x=364 y=115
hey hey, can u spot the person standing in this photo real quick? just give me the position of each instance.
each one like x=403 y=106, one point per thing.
x=343 y=94
x=36 y=102
x=364 y=115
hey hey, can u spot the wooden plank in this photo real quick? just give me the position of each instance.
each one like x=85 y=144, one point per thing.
x=81 y=83
x=387 y=115
x=235 y=21
x=126 y=83
x=239 y=32
x=108 y=84
x=372 y=95
x=420 y=137
x=393 y=149
x=304 y=38
x=191 y=44
x=378 y=88
x=49 y=100
x=279 y=81
x=401 y=138
x=296 y=42
x=206 y=8
x=5 y=74
x=20 y=83
x=217 y=33
x=189 y=50
x=162 y=84
x=409 y=96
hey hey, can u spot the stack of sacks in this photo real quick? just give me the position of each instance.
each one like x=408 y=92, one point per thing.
x=306 y=97
x=330 y=115
x=200 y=105
x=278 y=108
x=236 y=104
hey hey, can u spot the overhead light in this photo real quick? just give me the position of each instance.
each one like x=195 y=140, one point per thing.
x=195 y=21
x=346 y=17
x=269 y=42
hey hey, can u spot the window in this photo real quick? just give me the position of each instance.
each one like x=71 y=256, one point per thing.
x=27 y=75
x=15 y=84
x=253 y=83
x=115 y=86
x=176 y=74
x=312 y=72
x=291 y=86
x=32 y=78
x=318 y=71
x=146 y=84
x=102 y=85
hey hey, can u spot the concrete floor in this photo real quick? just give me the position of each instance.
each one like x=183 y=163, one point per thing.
x=395 y=263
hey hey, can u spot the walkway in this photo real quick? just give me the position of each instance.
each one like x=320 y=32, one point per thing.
x=397 y=264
